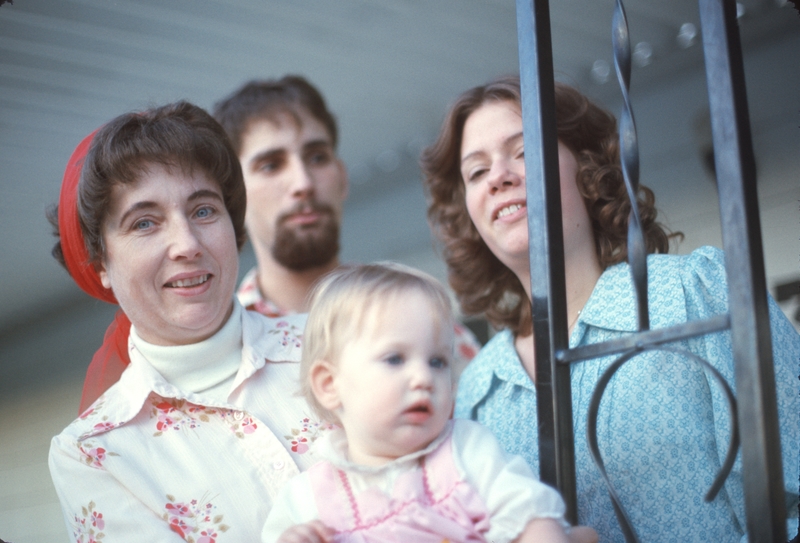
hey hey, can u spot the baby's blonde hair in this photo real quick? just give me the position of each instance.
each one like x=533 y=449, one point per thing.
x=340 y=302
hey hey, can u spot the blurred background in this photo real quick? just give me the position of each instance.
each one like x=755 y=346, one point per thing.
x=389 y=69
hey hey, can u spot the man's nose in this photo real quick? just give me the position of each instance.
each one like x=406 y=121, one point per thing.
x=302 y=180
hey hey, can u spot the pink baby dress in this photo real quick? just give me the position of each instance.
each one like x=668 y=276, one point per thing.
x=428 y=504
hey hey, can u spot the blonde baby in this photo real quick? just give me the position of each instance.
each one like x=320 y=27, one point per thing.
x=376 y=361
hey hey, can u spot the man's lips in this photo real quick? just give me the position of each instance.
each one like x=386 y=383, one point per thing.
x=305 y=214
x=306 y=217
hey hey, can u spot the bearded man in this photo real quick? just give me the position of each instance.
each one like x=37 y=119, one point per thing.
x=286 y=140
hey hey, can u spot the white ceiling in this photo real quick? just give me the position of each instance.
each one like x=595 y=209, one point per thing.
x=388 y=69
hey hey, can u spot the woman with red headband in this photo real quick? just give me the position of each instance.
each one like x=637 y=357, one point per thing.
x=203 y=427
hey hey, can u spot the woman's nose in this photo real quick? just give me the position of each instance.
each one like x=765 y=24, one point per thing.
x=184 y=241
x=503 y=176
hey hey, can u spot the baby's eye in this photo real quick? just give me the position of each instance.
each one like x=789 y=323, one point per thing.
x=394 y=359
x=437 y=363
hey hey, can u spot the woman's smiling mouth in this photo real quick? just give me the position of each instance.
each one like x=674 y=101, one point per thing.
x=507 y=210
x=190 y=282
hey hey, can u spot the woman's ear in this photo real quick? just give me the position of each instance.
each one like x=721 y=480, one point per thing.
x=100 y=268
x=323 y=384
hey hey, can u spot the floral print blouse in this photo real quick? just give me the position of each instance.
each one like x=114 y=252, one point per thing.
x=150 y=462
x=663 y=425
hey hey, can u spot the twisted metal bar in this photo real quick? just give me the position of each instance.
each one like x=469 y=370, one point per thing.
x=629 y=159
x=637 y=259
x=591 y=430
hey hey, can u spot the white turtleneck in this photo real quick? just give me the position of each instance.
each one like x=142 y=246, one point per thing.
x=208 y=367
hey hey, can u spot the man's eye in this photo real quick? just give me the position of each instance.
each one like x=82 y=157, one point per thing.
x=438 y=363
x=319 y=159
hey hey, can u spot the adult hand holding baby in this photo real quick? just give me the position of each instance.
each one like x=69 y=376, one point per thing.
x=310 y=532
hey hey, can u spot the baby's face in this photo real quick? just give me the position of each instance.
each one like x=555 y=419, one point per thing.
x=393 y=380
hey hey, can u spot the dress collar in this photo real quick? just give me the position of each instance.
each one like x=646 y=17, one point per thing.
x=332 y=446
x=612 y=305
x=273 y=340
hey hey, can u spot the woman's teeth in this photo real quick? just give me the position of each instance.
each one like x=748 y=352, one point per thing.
x=194 y=281
x=508 y=210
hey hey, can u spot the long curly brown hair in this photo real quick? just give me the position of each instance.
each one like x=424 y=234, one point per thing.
x=481 y=282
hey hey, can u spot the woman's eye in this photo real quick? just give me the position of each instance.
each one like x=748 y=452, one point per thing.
x=394 y=359
x=437 y=363
x=474 y=175
x=204 y=212
x=142 y=224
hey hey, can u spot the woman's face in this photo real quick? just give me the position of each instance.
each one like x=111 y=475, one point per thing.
x=493 y=170
x=170 y=255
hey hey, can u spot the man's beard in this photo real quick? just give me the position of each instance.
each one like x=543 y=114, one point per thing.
x=303 y=247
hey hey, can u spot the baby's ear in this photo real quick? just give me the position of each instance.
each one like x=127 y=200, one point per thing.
x=323 y=384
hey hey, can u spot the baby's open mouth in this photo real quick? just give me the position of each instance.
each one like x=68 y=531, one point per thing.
x=419 y=408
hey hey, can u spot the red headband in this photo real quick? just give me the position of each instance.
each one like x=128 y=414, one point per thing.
x=111 y=358
x=73 y=245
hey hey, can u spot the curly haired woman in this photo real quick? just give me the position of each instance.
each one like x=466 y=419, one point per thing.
x=663 y=424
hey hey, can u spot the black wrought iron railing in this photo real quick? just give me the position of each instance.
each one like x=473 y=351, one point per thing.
x=747 y=318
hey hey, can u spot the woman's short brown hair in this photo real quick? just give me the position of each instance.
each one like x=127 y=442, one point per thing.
x=482 y=283
x=178 y=135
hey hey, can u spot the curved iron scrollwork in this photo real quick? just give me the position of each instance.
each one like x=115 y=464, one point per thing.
x=591 y=430
x=747 y=302
x=637 y=259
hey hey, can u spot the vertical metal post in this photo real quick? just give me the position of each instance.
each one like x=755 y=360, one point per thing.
x=548 y=290
x=741 y=233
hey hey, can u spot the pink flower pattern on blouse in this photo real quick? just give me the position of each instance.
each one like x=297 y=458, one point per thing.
x=88 y=527
x=289 y=333
x=310 y=429
x=146 y=427
x=96 y=412
x=195 y=521
x=96 y=406
x=94 y=455
x=173 y=414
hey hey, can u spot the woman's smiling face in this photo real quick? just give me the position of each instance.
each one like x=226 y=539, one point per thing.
x=493 y=171
x=170 y=255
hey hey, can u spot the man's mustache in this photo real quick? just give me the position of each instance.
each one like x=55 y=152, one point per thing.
x=306 y=207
